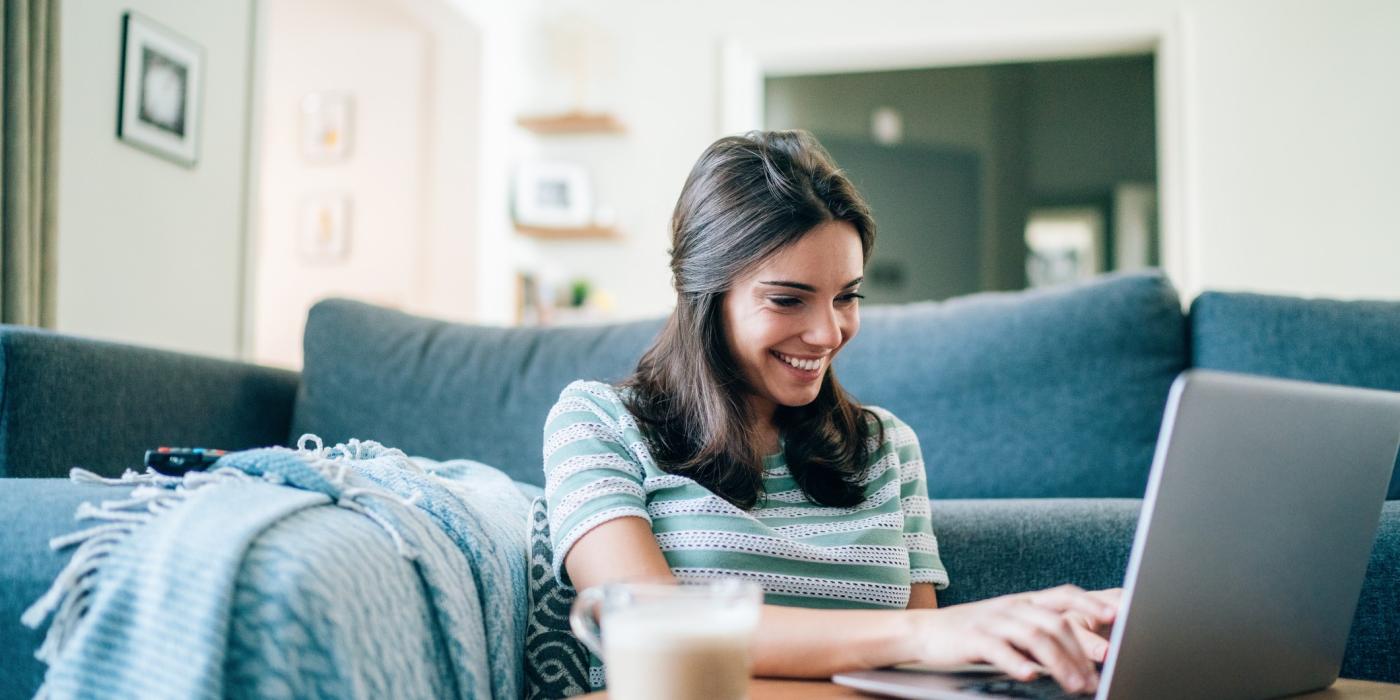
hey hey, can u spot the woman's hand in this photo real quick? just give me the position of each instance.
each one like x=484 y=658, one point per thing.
x=1017 y=632
x=1093 y=634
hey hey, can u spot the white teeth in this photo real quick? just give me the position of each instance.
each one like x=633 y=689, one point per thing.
x=808 y=365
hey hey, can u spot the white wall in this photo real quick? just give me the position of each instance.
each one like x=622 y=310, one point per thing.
x=1287 y=140
x=1286 y=135
x=378 y=56
x=149 y=251
x=1297 y=147
x=414 y=175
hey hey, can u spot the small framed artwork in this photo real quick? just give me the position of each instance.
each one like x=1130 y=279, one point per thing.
x=159 y=98
x=325 y=228
x=553 y=195
x=327 y=123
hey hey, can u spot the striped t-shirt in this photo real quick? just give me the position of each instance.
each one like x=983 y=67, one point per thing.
x=598 y=468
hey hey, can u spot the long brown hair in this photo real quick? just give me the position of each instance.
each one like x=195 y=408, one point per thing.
x=746 y=198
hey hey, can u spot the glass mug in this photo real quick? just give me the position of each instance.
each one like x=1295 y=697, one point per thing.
x=671 y=641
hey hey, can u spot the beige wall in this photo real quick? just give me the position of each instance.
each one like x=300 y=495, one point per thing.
x=411 y=67
x=378 y=56
x=150 y=251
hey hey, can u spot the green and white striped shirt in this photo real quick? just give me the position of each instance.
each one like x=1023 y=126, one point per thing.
x=598 y=468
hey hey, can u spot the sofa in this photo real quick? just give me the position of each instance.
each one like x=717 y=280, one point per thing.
x=1037 y=412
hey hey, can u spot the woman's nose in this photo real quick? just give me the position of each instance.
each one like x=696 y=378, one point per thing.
x=824 y=331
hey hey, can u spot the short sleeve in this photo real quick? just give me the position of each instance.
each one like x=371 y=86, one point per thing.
x=924 y=563
x=591 y=476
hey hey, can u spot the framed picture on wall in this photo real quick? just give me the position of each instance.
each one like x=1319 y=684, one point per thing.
x=159 y=94
x=552 y=195
x=327 y=123
x=325 y=228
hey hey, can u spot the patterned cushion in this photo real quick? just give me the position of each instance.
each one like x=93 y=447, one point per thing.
x=557 y=665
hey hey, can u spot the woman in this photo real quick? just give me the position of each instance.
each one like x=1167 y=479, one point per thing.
x=734 y=451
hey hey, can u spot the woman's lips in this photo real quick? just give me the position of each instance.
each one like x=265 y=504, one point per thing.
x=805 y=375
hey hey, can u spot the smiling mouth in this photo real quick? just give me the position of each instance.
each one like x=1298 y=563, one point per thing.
x=798 y=363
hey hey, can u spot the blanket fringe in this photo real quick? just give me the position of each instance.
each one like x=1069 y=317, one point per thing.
x=68 y=598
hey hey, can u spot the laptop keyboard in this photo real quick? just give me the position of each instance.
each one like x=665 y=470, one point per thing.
x=1043 y=688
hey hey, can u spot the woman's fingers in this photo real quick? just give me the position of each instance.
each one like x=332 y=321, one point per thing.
x=1095 y=645
x=1111 y=597
x=1100 y=606
x=999 y=652
x=1048 y=638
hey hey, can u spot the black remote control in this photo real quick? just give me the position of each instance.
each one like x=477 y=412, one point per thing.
x=175 y=461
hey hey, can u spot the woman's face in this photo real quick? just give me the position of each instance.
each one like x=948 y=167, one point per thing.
x=786 y=319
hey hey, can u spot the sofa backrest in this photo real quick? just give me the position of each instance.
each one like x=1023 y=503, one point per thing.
x=1027 y=394
x=69 y=401
x=446 y=390
x=1354 y=343
x=1050 y=393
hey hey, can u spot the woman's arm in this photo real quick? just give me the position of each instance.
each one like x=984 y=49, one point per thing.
x=1013 y=632
x=922 y=596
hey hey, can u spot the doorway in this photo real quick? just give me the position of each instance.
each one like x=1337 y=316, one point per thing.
x=1039 y=141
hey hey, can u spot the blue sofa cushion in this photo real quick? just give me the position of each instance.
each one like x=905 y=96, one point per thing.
x=1039 y=394
x=1054 y=393
x=34 y=511
x=1355 y=343
x=446 y=390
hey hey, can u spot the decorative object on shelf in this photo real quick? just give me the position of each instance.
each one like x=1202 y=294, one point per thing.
x=574 y=122
x=158 y=101
x=552 y=195
x=327 y=125
x=325 y=228
x=546 y=299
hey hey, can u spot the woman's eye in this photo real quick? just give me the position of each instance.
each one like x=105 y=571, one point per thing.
x=849 y=298
x=785 y=301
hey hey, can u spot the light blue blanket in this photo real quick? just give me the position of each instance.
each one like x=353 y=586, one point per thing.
x=180 y=591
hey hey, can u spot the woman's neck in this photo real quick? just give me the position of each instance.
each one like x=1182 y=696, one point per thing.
x=768 y=439
x=764 y=412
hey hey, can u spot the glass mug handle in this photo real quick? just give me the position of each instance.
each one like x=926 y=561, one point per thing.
x=584 y=619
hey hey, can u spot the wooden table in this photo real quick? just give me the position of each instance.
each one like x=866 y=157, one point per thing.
x=773 y=689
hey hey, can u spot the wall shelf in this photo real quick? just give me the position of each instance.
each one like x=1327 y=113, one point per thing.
x=569 y=232
x=572 y=123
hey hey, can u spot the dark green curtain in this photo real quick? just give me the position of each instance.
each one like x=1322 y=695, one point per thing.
x=28 y=160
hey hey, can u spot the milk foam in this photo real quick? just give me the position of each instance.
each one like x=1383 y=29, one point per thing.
x=678 y=653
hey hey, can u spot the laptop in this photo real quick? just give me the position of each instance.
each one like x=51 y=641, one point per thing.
x=1256 y=529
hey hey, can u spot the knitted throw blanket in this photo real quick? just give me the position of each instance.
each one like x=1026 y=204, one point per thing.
x=145 y=605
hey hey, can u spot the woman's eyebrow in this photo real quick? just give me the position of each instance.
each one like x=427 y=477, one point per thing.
x=808 y=287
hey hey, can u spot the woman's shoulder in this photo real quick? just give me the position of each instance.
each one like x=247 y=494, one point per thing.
x=592 y=396
x=889 y=429
x=593 y=391
x=885 y=418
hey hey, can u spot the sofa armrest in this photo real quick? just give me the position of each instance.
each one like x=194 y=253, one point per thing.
x=67 y=401
x=996 y=547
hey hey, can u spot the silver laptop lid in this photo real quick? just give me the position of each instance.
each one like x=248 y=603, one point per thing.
x=1256 y=529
